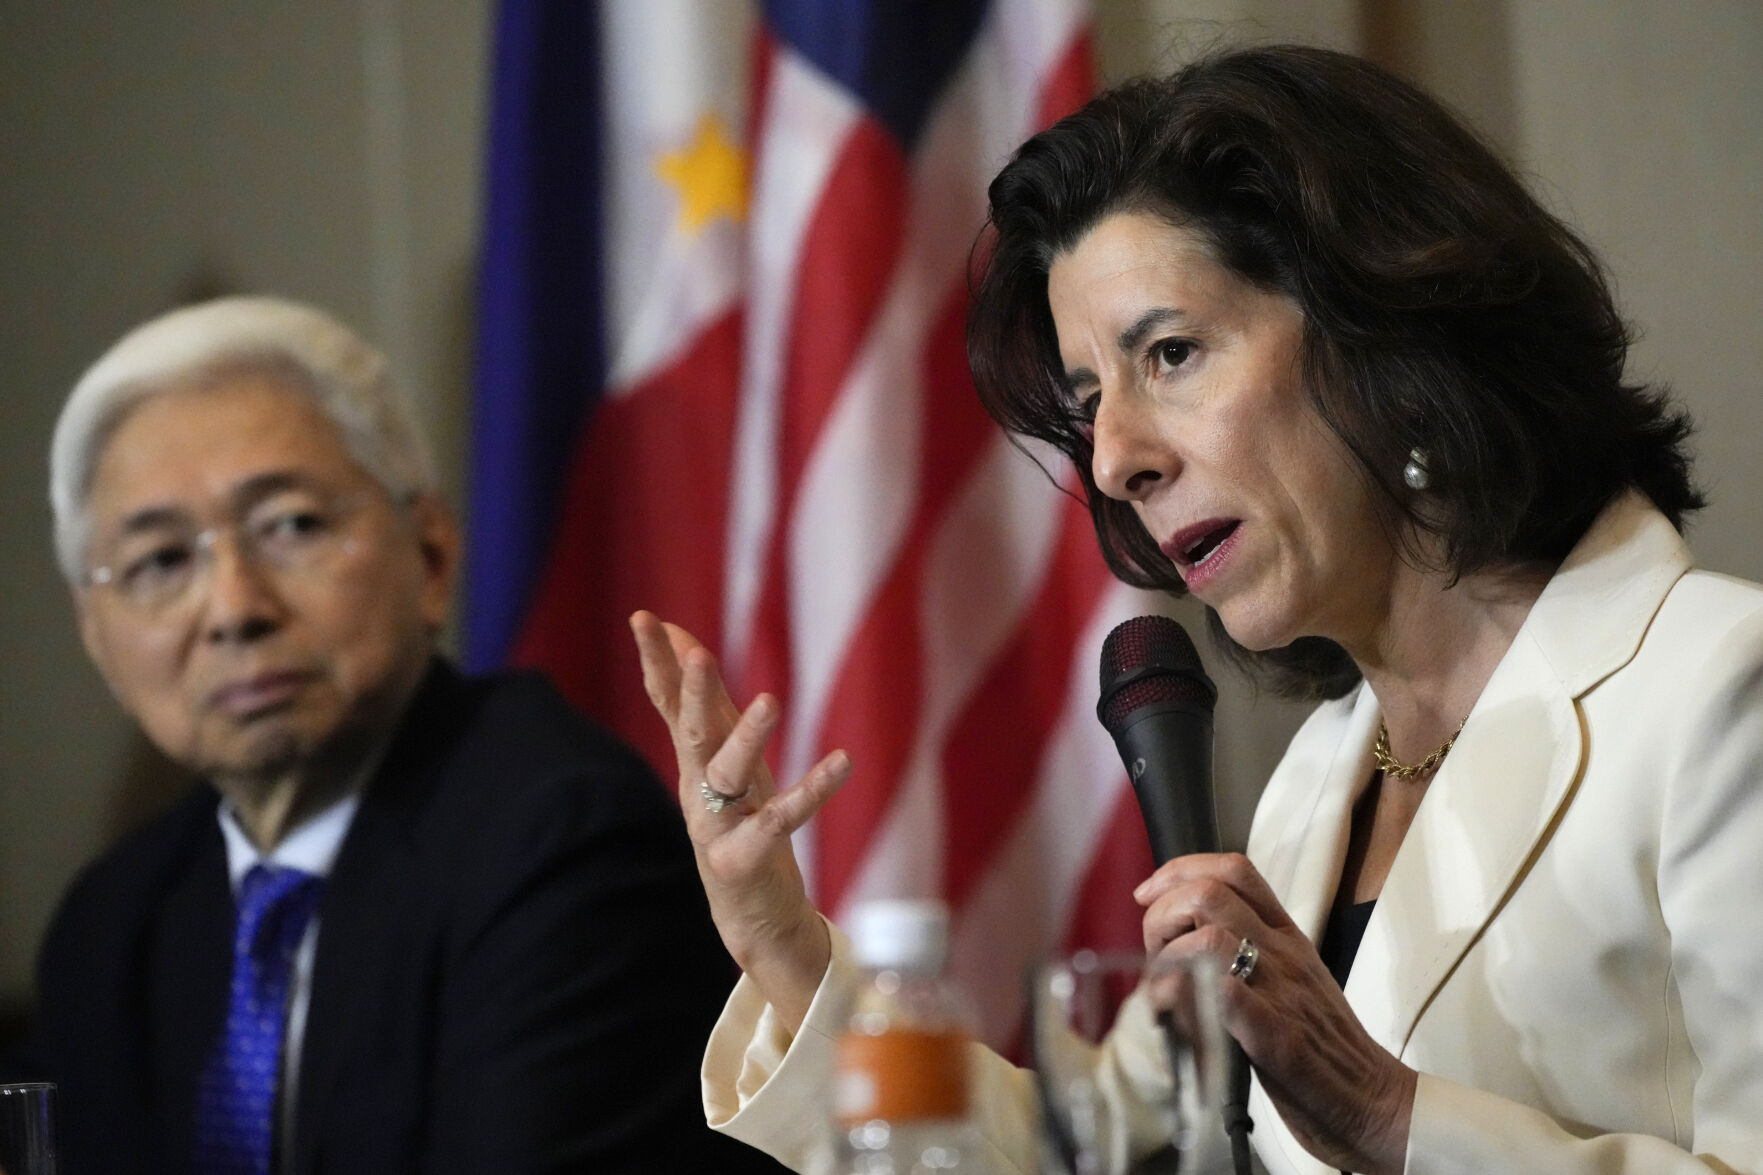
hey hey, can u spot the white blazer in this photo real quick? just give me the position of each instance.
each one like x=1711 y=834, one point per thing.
x=1569 y=945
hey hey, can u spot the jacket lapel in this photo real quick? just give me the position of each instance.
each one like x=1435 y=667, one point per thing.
x=1316 y=867
x=365 y=892
x=1491 y=803
x=1485 y=811
x=1494 y=802
x=371 y=895
x=189 y=971
x=1513 y=770
x=1301 y=854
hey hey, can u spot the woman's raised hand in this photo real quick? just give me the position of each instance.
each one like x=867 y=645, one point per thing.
x=1343 y=1095
x=741 y=833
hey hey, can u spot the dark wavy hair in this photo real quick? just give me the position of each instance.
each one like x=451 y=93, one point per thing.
x=1444 y=308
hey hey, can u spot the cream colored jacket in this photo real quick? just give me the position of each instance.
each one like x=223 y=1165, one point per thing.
x=1569 y=946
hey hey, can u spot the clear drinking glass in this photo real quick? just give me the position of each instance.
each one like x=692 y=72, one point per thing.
x=27 y=1129
x=1147 y=1103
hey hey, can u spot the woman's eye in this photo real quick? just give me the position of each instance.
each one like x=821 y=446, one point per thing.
x=1172 y=353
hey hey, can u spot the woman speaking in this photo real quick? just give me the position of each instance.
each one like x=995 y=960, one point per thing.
x=1320 y=360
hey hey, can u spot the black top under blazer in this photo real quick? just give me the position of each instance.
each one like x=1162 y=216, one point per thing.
x=516 y=967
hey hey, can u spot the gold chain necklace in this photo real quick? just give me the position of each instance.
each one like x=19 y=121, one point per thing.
x=1390 y=765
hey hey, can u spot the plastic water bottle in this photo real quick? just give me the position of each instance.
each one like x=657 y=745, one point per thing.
x=900 y=1083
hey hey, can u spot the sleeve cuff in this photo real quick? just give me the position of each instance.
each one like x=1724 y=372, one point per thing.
x=766 y=1086
x=1457 y=1130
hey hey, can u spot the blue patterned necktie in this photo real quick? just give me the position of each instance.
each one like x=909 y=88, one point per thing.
x=235 y=1096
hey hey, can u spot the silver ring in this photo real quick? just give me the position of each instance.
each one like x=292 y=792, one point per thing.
x=715 y=800
x=1243 y=966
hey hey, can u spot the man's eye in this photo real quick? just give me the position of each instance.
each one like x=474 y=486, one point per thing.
x=157 y=565
x=292 y=527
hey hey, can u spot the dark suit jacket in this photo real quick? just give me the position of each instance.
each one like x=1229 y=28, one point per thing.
x=516 y=969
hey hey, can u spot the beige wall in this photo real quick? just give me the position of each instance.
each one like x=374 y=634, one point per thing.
x=152 y=150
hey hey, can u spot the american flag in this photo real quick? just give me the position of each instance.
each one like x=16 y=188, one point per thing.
x=722 y=377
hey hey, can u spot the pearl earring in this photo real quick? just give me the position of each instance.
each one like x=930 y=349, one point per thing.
x=1415 y=474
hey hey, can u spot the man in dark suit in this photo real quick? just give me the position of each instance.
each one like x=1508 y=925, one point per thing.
x=412 y=921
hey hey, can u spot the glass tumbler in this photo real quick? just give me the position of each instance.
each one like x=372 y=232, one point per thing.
x=27 y=1129
x=1129 y=1063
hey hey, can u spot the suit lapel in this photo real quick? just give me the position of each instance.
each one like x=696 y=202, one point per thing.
x=365 y=899
x=1490 y=805
x=1301 y=853
x=189 y=974
x=369 y=900
x=1499 y=793
x=1485 y=811
x=1316 y=866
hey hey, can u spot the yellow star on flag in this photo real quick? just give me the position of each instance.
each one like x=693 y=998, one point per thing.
x=710 y=174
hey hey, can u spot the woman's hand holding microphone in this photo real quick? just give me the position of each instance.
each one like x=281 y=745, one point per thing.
x=1343 y=1095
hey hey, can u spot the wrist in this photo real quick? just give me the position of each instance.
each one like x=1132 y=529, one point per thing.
x=1387 y=1134
x=789 y=965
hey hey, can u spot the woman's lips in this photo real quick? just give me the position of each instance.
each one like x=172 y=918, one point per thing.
x=1200 y=551
x=253 y=695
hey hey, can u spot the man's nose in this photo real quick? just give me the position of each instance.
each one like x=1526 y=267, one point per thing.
x=240 y=597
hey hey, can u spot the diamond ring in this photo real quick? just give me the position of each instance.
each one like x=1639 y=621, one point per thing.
x=1243 y=965
x=715 y=800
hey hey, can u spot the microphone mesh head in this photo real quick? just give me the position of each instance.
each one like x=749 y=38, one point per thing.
x=1150 y=659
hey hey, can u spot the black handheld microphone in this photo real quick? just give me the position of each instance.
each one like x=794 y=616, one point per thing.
x=1156 y=701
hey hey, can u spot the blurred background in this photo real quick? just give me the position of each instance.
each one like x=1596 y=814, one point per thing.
x=333 y=151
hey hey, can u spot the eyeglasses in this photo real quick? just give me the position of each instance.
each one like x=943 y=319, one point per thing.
x=165 y=564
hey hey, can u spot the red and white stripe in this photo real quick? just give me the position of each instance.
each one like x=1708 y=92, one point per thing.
x=911 y=584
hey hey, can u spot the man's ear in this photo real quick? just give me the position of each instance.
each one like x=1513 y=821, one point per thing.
x=438 y=543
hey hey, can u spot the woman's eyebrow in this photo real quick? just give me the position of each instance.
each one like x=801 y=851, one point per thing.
x=1134 y=335
x=1128 y=340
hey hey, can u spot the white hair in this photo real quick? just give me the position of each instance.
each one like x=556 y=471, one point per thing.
x=312 y=352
